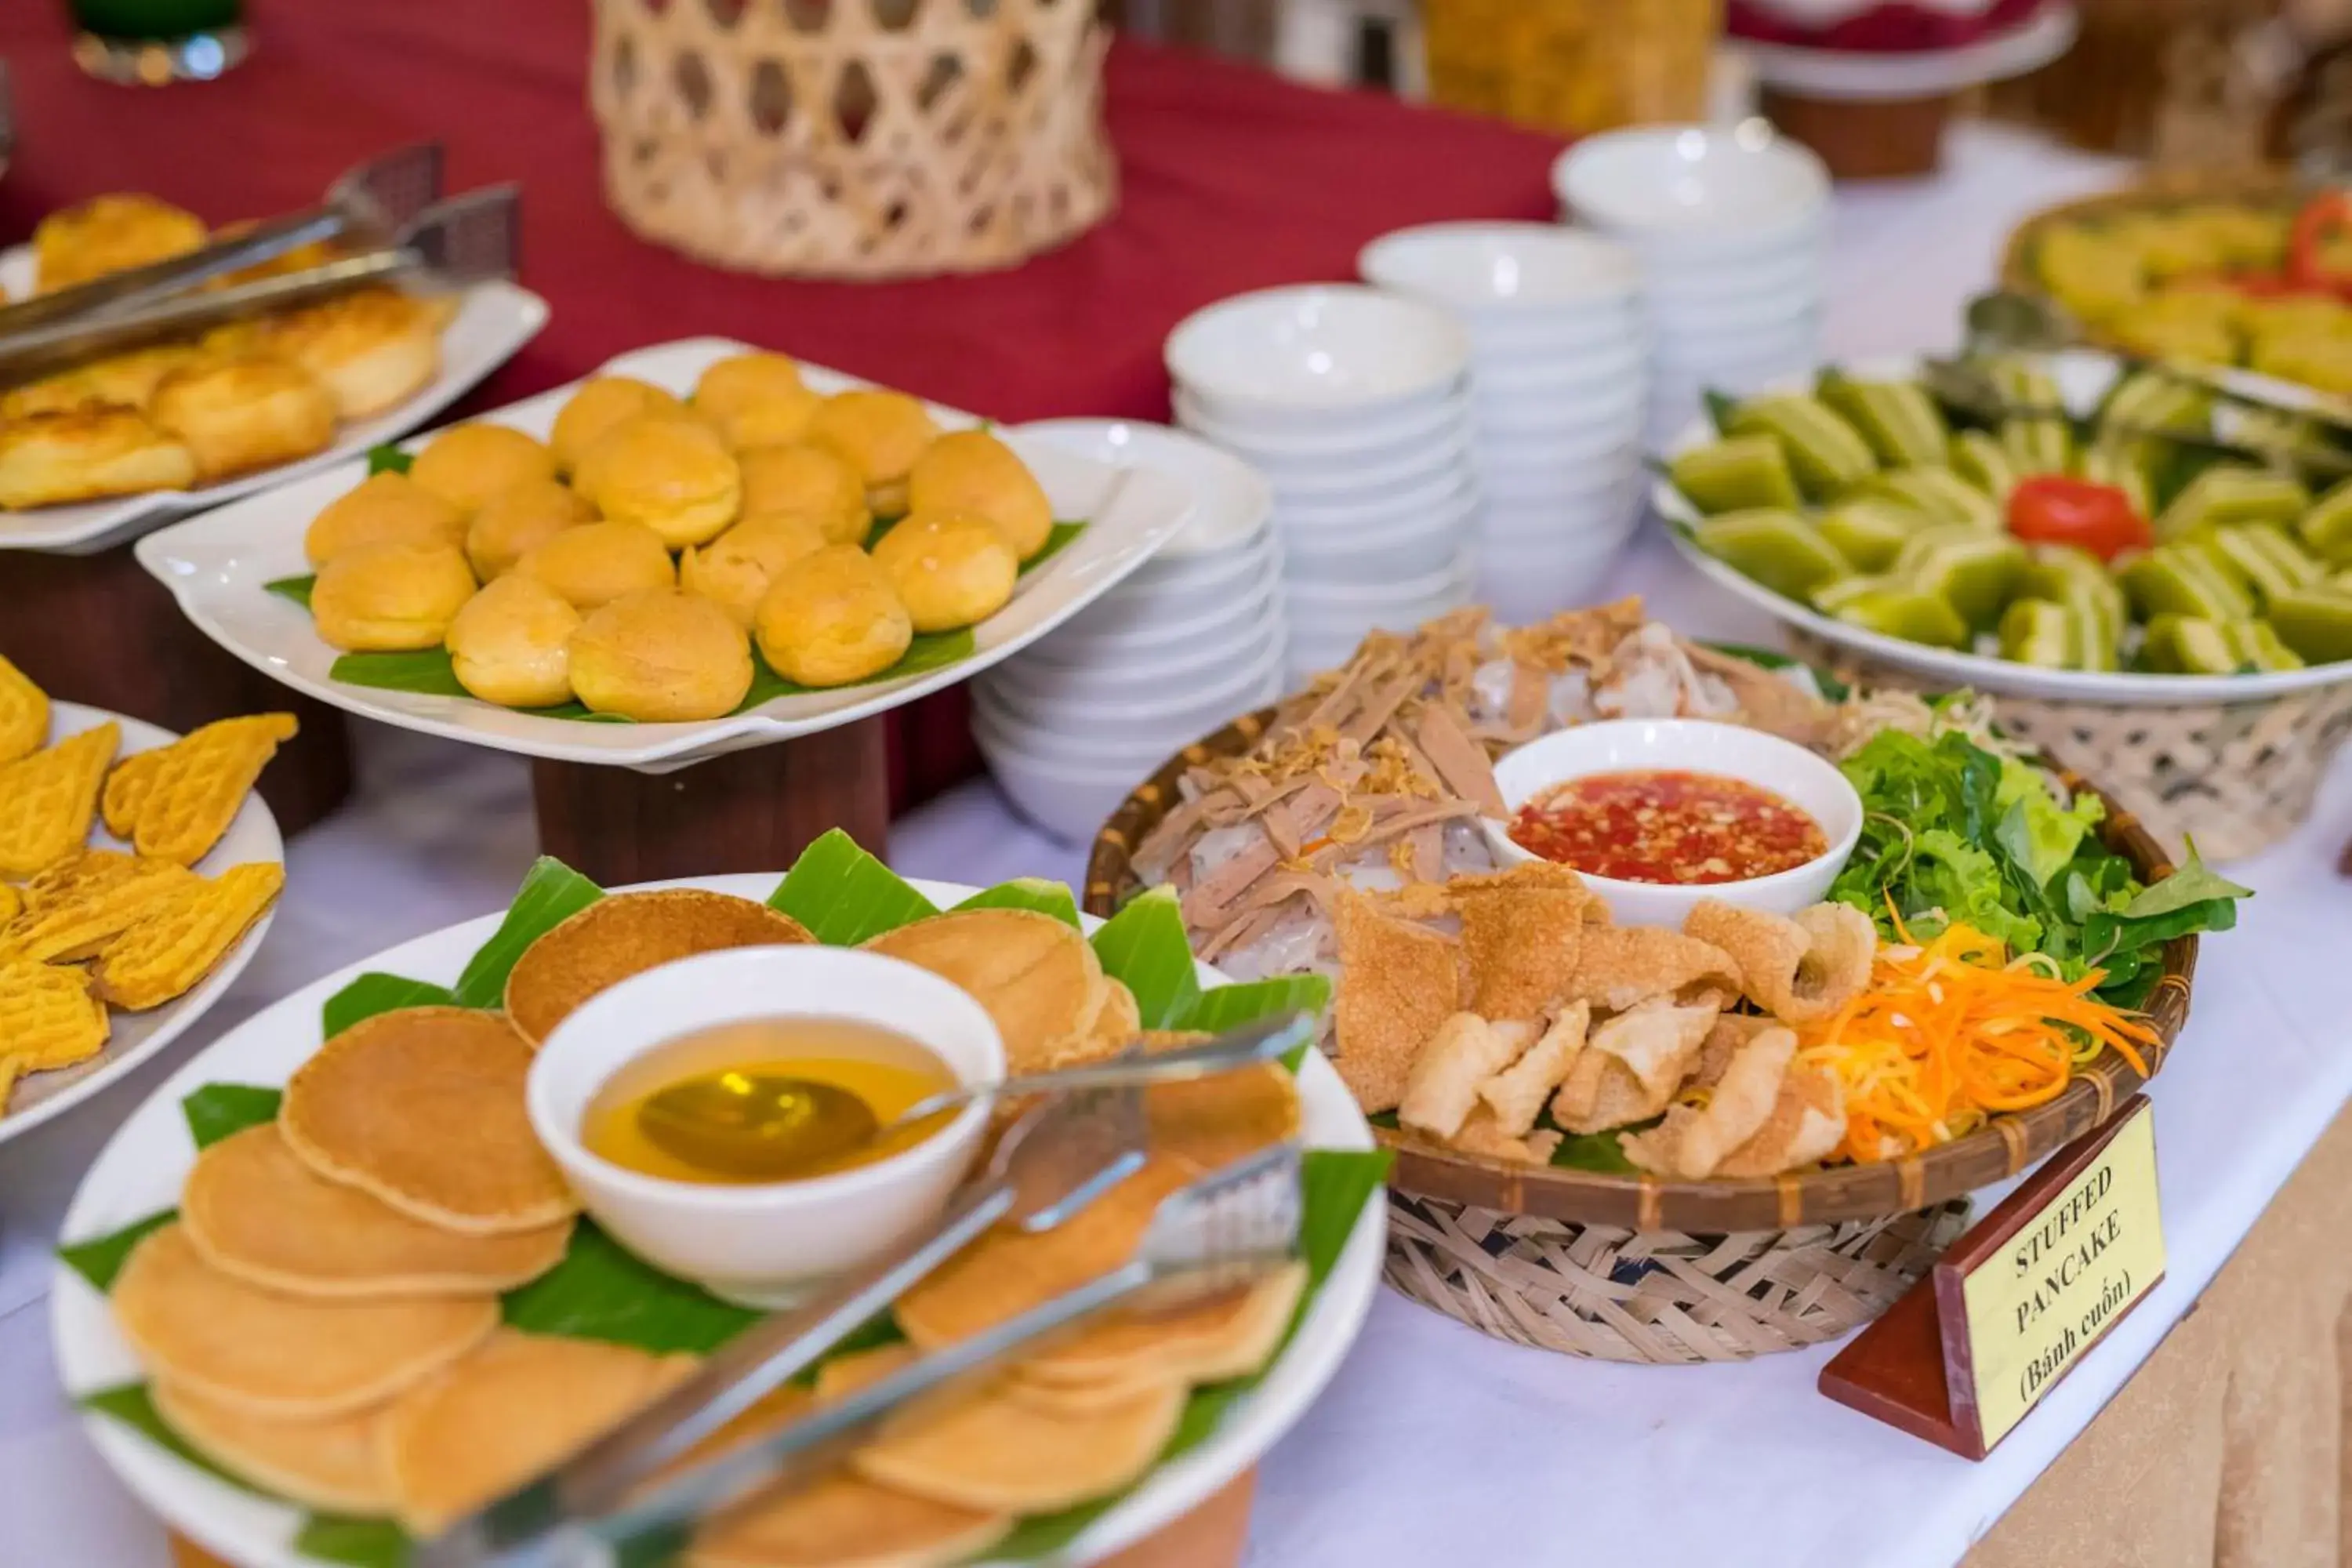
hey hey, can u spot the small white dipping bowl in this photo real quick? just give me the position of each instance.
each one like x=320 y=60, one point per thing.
x=1505 y=270
x=1315 y=348
x=1688 y=190
x=1696 y=745
x=768 y=1244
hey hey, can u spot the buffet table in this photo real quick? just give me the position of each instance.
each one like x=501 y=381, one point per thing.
x=1437 y=1443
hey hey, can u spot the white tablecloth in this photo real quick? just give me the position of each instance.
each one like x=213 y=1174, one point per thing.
x=1435 y=1444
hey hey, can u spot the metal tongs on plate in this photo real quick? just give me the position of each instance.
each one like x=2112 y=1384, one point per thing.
x=624 y=1498
x=388 y=213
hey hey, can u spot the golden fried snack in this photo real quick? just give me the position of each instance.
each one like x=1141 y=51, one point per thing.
x=198 y=783
x=1398 y=982
x=661 y=657
x=466 y=465
x=383 y=509
x=85 y=874
x=511 y=644
x=843 y=1518
x=126 y=380
x=77 y=923
x=109 y=234
x=48 y=1015
x=48 y=799
x=243 y=414
x=391 y=597
x=734 y=570
x=373 y=349
x=951 y=569
x=12 y=904
x=330 y=1462
x=597 y=562
x=520 y=518
x=183 y=938
x=972 y=472
x=832 y=618
x=756 y=400
x=674 y=476
x=602 y=403
x=47 y=459
x=24 y=713
x=882 y=434
x=126 y=791
x=807 y=481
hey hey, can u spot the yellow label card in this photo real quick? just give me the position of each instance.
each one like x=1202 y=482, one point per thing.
x=2071 y=1270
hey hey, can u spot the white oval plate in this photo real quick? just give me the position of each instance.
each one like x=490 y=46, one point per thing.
x=133 y=1038
x=2083 y=378
x=216 y=565
x=143 y=1168
x=494 y=323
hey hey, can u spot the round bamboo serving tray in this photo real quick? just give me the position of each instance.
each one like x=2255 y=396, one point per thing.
x=1827 y=1196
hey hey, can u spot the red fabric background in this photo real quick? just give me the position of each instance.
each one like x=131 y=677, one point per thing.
x=1232 y=180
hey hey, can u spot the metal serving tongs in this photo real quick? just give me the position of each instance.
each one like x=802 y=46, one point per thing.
x=612 y=1501
x=370 y=202
x=451 y=245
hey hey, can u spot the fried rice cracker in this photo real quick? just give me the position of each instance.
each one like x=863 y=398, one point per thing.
x=48 y=799
x=177 y=807
x=1521 y=938
x=24 y=715
x=1398 y=982
x=48 y=1016
x=183 y=936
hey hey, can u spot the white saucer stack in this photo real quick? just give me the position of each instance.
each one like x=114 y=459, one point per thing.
x=1559 y=375
x=1194 y=638
x=1355 y=404
x=1731 y=224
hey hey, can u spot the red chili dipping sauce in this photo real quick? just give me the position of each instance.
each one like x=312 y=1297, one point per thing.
x=1668 y=825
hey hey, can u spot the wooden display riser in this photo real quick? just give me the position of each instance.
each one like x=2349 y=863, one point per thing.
x=98 y=630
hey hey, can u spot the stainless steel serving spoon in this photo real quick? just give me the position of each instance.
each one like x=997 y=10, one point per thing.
x=766 y=1126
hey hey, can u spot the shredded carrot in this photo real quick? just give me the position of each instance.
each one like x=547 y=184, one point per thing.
x=1953 y=1031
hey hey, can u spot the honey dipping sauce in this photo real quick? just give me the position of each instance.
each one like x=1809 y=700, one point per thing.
x=887 y=1070
x=1668 y=825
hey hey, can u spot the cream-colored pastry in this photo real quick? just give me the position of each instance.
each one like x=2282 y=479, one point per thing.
x=810 y=481
x=390 y=598
x=832 y=618
x=661 y=657
x=125 y=380
x=466 y=465
x=674 y=475
x=951 y=569
x=602 y=403
x=520 y=518
x=734 y=570
x=511 y=644
x=972 y=471
x=597 y=562
x=383 y=509
x=756 y=400
x=374 y=349
x=84 y=453
x=109 y=234
x=242 y=415
x=882 y=434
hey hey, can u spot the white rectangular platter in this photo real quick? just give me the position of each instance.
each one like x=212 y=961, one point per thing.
x=217 y=566
x=492 y=323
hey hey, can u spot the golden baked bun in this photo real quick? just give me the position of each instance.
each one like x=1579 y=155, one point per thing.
x=83 y=453
x=519 y=520
x=109 y=234
x=833 y=618
x=390 y=598
x=374 y=348
x=466 y=465
x=124 y=380
x=674 y=475
x=245 y=413
x=597 y=562
x=882 y=434
x=661 y=657
x=807 y=481
x=602 y=403
x=315 y=253
x=733 y=570
x=383 y=509
x=950 y=568
x=511 y=644
x=756 y=400
x=972 y=471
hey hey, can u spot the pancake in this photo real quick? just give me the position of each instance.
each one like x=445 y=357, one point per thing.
x=1214 y=1121
x=602 y=403
x=844 y=1520
x=48 y=459
x=992 y=1450
x=1038 y=978
x=423 y=1109
x=517 y=1406
x=628 y=933
x=253 y=1210
x=279 y=1357
x=334 y=1462
x=466 y=465
x=242 y=415
x=383 y=509
x=1229 y=1335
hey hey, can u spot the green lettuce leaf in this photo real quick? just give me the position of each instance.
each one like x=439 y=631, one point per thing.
x=2191 y=883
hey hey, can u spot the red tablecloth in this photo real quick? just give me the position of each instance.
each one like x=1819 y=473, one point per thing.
x=1232 y=180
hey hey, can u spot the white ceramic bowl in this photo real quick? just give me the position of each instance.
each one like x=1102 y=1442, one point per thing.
x=1154 y=620
x=1504 y=271
x=1693 y=189
x=1079 y=727
x=1614 y=510
x=1532 y=470
x=1698 y=745
x=1068 y=803
x=1545 y=337
x=1337 y=432
x=1371 y=490
x=1522 y=586
x=1038 y=684
x=1444 y=493
x=1793 y=267
x=1582 y=374
x=1529 y=430
x=1230 y=500
x=1400 y=463
x=1186 y=590
x=1800 y=331
x=1415 y=549
x=1316 y=347
x=771 y=1244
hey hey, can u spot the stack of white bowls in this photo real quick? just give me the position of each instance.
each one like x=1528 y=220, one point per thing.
x=1731 y=224
x=1355 y=404
x=1559 y=374
x=1195 y=638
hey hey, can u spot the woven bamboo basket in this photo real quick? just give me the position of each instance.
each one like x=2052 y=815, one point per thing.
x=1692 y=1271
x=854 y=138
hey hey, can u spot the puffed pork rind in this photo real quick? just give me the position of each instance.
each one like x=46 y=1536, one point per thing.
x=1398 y=982
x=1799 y=969
x=1692 y=1142
x=1619 y=968
x=1630 y=1067
x=1516 y=1095
x=1442 y=1089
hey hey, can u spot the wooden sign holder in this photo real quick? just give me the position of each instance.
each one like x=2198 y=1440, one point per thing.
x=1910 y=1368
